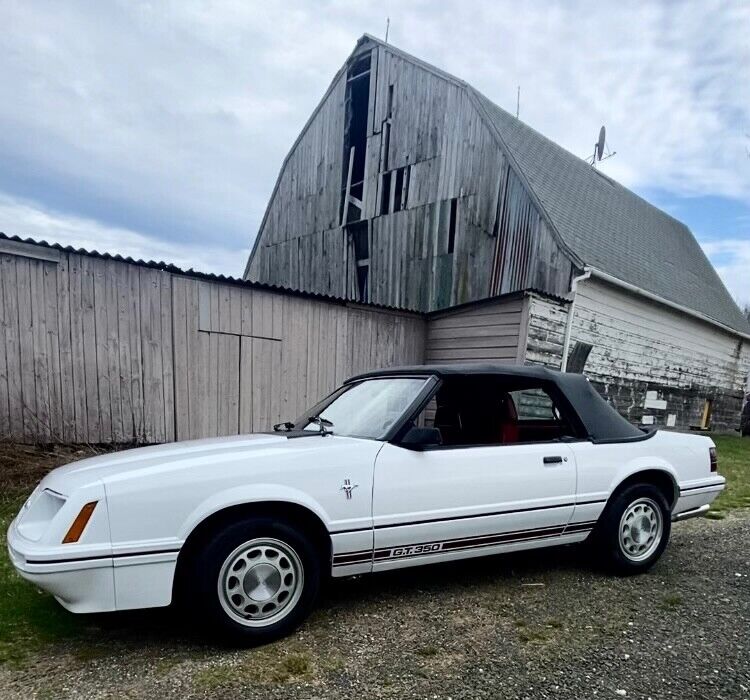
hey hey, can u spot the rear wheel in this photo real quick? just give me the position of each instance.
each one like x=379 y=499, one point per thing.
x=634 y=529
x=256 y=580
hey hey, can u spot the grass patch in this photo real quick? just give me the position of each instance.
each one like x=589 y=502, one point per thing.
x=715 y=515
x=531 y=635
x=734 y=464
x=671 y=600
x=428 y=651
x=264 y=666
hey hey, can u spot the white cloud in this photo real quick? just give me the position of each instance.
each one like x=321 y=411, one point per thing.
x=44 y=225
x=172 y=118
x=731 y=258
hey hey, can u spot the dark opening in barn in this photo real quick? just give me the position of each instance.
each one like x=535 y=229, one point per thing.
x=355 y=138
x=360 y=238
x=452 y=226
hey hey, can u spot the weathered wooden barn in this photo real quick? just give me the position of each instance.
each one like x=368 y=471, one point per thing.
x=409 y=188
x=412 y=221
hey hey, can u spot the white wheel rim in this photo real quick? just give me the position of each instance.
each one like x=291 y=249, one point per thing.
x=641 y=529
x=260 y=582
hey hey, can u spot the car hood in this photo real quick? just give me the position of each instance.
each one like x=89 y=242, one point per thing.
x=138 y=461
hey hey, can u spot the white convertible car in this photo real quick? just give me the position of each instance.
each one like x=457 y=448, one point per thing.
x=396 y=468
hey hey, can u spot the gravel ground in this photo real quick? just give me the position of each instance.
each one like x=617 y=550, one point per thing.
x=535 y=625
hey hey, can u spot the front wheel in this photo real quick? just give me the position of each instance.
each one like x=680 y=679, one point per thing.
x=256 y=580
x=634 y=529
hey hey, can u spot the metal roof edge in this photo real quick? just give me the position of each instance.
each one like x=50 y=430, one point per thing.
x=204 y=276
x=507 y=296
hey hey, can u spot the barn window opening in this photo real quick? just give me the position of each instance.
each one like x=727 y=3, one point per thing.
x=401 y=191
x=357 y=101
x=386 y=145
x=452 y=225
x=399 y=180
x=398 y=190
x=360 y=236
x=385 y=193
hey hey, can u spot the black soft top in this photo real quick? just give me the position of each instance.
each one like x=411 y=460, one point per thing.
x=601 y=422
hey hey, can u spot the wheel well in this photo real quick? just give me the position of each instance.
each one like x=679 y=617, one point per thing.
x=656 y=477
x=291 y=513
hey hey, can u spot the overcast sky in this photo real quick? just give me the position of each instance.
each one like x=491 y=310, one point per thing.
x=156 y=129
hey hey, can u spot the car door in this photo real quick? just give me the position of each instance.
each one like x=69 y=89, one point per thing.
x=456 y=502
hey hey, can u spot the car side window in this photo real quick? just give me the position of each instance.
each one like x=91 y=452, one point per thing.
x=477 y=410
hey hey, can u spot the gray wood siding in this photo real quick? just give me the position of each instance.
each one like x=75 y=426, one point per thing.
x=95 y=350
x=441 y=140
x=491 y=332
x=546 y=331
x=88 y=351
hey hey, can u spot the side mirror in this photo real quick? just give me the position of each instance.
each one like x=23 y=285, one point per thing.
x=417 y=438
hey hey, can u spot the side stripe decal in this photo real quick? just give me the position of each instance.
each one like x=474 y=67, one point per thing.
x=467 y=517
x=713 y=487
x=119 y=555
x=474 y=542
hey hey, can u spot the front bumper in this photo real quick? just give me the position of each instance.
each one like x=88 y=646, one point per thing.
x=97 y=583
x=82 y=586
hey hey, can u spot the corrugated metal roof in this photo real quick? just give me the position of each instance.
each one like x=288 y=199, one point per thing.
x=210 y=277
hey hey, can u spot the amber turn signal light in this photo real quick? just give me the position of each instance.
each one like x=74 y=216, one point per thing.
x=79 y=524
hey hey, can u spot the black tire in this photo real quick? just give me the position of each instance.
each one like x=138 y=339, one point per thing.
x=606 y=537
x=204 y=572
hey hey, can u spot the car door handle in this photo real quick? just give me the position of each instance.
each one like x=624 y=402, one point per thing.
x=556 y=459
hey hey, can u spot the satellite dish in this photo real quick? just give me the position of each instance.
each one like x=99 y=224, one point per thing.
x=599 y=148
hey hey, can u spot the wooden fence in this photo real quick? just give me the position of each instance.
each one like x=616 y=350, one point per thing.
x=98 y=350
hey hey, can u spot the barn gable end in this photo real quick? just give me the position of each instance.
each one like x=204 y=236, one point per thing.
x=421 y=208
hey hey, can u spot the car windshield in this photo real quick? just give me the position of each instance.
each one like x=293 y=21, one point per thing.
x=367 y=409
